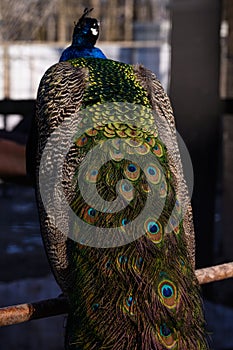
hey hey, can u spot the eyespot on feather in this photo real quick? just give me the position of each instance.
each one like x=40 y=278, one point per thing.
x=153 y=173
x=153 y=230
x=81 y=141
x=132 y=171
x=126 y=189
x=158 y=150
x=168 y=336
x=168 y=293
x=129 y=305
x=116 y=154
x=92 y=132
x=163 y=189
x=89 y=215
x=91 y=175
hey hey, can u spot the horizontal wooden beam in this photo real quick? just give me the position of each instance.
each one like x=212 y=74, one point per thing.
x=215 y=273
x=26 y=312
x=58 y=306
x=23 y=107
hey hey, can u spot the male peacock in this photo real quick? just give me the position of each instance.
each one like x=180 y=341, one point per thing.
x=104 y=144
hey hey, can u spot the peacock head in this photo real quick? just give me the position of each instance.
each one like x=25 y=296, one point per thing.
x=86 y=31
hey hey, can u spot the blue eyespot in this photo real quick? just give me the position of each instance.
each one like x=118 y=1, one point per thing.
x=153 y=227
x=108 y=264
x=139 y=262
x=167 y=291
x=126 y=187
x=182 y=262
x=132 y=168
x=122 y=259
x=129 y=301
x=94 y=172
x=151 y=171
x=95 y=307
x=91 y=212
x=164 y=330
x=125 y=222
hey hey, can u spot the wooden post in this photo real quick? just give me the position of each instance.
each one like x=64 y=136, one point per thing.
x=227 y=244
x=128 y=30
x=228 y=16
x=62 y=21
x=6 y=70
x=195 y=98
x=111 y=18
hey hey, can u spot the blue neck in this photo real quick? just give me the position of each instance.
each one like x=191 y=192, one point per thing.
x=80 y=42
x=76 y=52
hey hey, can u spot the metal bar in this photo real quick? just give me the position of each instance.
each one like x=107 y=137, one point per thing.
x=58 y=306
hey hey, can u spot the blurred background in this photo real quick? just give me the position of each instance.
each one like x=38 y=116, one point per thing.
x=189 y=45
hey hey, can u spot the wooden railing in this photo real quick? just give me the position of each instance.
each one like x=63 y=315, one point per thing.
x=52 y=307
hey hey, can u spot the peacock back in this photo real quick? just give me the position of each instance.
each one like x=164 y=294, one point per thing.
x=123 y=254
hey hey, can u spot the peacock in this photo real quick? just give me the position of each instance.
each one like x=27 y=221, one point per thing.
x=114 y=208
